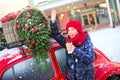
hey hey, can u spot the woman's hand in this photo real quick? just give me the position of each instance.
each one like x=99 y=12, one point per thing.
x=53 y=15
x=70 y=47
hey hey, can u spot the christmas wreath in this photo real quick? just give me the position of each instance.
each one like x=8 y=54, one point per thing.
x=32 y=28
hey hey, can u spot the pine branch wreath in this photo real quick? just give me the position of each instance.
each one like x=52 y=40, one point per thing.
x=32 y=27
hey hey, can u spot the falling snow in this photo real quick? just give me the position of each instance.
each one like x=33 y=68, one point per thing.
x=108 y=41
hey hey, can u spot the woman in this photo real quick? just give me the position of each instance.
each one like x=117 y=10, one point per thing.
x=79 y=53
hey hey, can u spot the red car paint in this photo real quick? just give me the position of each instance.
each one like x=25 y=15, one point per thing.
x=103 y=66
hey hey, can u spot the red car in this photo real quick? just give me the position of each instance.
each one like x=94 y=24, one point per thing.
x=15 y=66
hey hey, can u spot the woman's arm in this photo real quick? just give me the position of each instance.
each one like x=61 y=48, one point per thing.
x=86 y=56
x=56 y=34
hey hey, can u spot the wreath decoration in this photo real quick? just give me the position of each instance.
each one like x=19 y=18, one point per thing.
x=32 y=27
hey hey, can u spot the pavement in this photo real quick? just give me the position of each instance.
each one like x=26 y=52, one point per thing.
x=108 y=41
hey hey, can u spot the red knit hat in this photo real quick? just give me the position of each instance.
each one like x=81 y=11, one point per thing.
x=76 y=24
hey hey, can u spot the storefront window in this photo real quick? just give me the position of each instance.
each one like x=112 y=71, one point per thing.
x=85 y=19
x=75 y=14
x=102 y=15
x=91 y=16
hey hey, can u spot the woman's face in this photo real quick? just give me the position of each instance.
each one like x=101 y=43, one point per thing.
x=72 y=32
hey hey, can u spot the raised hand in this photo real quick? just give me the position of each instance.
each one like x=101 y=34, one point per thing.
x=53 y=15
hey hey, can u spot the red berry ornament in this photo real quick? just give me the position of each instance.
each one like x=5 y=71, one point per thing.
x=33 y=43
x=27 y=27
x=35 y=30
x=29 y=16
x=45 y=22
x=18 y=27
x=27 y=7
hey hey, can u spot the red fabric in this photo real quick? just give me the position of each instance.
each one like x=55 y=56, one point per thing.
x=74 y=23
x=68 y=39
x=78 y=39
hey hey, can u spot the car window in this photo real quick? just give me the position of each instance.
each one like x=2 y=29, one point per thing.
x=27 y=70
x=61 y=58
x=8 y=74
x=95 y=56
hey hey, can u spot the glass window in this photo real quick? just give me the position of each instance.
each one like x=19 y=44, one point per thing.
x=102 y=13
x=85 y=20
x=61 y=58
x=27 y=70
x=2 y=42
x=75 y=14
x=9 y=74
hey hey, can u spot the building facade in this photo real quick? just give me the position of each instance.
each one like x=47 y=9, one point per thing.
x=91 y=13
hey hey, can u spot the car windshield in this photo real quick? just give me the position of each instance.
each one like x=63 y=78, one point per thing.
x=27 y=70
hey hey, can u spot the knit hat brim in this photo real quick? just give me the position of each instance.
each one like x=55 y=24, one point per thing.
x=75 y=24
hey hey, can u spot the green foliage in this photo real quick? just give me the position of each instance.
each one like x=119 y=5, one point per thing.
x=32 y=27
x=3 y=43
